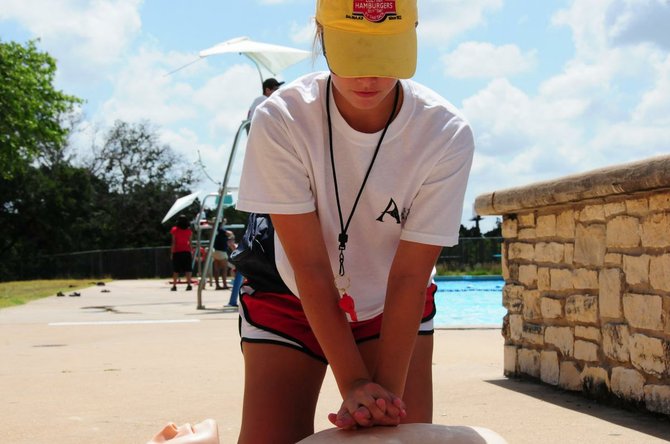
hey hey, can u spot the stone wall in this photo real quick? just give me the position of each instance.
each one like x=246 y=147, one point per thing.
x=586 y=261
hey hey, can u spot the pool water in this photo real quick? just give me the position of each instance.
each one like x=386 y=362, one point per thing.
x=469 y=301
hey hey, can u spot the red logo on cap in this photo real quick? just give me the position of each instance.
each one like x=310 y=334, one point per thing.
x=374 y=10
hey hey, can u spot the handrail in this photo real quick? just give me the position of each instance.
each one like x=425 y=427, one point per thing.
x=219 y=212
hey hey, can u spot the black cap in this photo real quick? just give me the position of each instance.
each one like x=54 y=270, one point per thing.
x=271 y=83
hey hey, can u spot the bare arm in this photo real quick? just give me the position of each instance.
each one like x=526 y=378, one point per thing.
x=302 y=240
x=403 y=309
x=318 y=295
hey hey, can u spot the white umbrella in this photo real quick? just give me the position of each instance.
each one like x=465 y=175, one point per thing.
x=180 y=204
x=266 y=56
x=273 y=58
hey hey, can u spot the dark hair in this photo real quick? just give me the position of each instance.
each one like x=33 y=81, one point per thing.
x=182 y=222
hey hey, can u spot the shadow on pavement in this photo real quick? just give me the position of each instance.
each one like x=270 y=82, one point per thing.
x=652 y=424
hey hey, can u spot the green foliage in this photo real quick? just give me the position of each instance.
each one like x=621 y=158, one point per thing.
x=143 y=179
x=31 y=109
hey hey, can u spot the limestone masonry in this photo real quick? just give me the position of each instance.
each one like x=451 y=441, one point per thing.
x=586 y=263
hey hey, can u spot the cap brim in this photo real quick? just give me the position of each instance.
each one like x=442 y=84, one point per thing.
x=352 y=54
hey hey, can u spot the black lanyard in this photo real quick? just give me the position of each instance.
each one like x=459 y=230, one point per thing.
x=343 y=237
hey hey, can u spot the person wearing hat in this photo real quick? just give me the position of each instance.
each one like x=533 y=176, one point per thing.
x=270 y=85
x=363 y=173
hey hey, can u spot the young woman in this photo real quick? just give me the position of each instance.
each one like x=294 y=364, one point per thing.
x=180 y=252
x=363 y=176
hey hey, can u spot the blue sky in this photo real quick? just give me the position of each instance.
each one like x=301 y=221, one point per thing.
x=551 y=87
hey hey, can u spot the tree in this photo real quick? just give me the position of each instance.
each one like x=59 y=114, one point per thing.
x=32 y=110
x=143 y=179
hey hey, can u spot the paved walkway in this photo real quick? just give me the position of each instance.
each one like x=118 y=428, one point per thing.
x=115 y=366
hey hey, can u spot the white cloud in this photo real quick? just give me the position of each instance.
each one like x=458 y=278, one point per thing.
x=86 y=35
x=485 y=60
x=609 y=105
x=442 y=20
x=195 y=109
x=638 y=21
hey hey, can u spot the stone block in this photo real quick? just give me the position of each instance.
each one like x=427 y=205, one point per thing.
x=637 y=207
x=657 y=398
x=533 y=333
x=531 y=305
x=551 y=252
x=586 y=351
x=643 y=311
x=616 y=338
x=628 y=384
x=623 y=232
x=562 y=338
x=569 y=254
x=561 y=279
x=610 y=292
x=565 y=224
x=515 y=327
x=614 y=208
x=520 y=250
x=592 y=213
x=543 y=279
x=512 y=298
x=590 y=245
x=582 y=309
x=549 y=369
x=659 y=272
x=510 y=228
x=636 y=269
x=613 y=259
x=551 y=308
x=656 y=231
x=649 y=354
x=529 y=362
x=570 y=376
x=510 y=354
x=659 y=202
x=546 y=225
x=528 y=275
x=504 y=268
x=591 y=333
x=526 y=220
x=583 y=279
x=595 y=381
x=527 y=234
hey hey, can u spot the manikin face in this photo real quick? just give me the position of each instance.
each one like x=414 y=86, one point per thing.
x=364 y=93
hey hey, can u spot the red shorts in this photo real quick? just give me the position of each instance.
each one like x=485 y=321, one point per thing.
x=277 y=318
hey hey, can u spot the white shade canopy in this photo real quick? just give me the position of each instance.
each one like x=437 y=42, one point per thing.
x=272 y=58
x=180 y=204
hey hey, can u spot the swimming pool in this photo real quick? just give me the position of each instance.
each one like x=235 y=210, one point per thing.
x=469 y=301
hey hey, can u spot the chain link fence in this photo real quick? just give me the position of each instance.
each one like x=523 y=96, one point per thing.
x=154 y=262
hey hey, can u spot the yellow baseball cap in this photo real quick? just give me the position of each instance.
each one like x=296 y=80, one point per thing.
x=369 y=38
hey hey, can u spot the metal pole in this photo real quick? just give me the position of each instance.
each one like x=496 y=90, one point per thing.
x=219 y=210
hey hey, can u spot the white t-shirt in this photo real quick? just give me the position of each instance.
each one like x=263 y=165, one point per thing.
x=257 y=101
x=415 y=190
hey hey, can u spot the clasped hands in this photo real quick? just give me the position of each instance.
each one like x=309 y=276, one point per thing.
x=368 y=404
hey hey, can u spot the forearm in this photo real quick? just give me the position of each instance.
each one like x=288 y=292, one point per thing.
x=319 y=299
x=403 y=310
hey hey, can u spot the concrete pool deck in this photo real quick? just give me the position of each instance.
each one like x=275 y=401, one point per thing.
x=114 y=367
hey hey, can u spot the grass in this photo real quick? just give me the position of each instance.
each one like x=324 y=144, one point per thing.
x=21 y=292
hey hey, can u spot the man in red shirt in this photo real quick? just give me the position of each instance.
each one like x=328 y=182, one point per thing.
x=181 y=252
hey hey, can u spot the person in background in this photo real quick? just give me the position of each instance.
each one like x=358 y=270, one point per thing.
x=181 y=252
x=363 y=173
x=224 y=244
x=270 y=85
